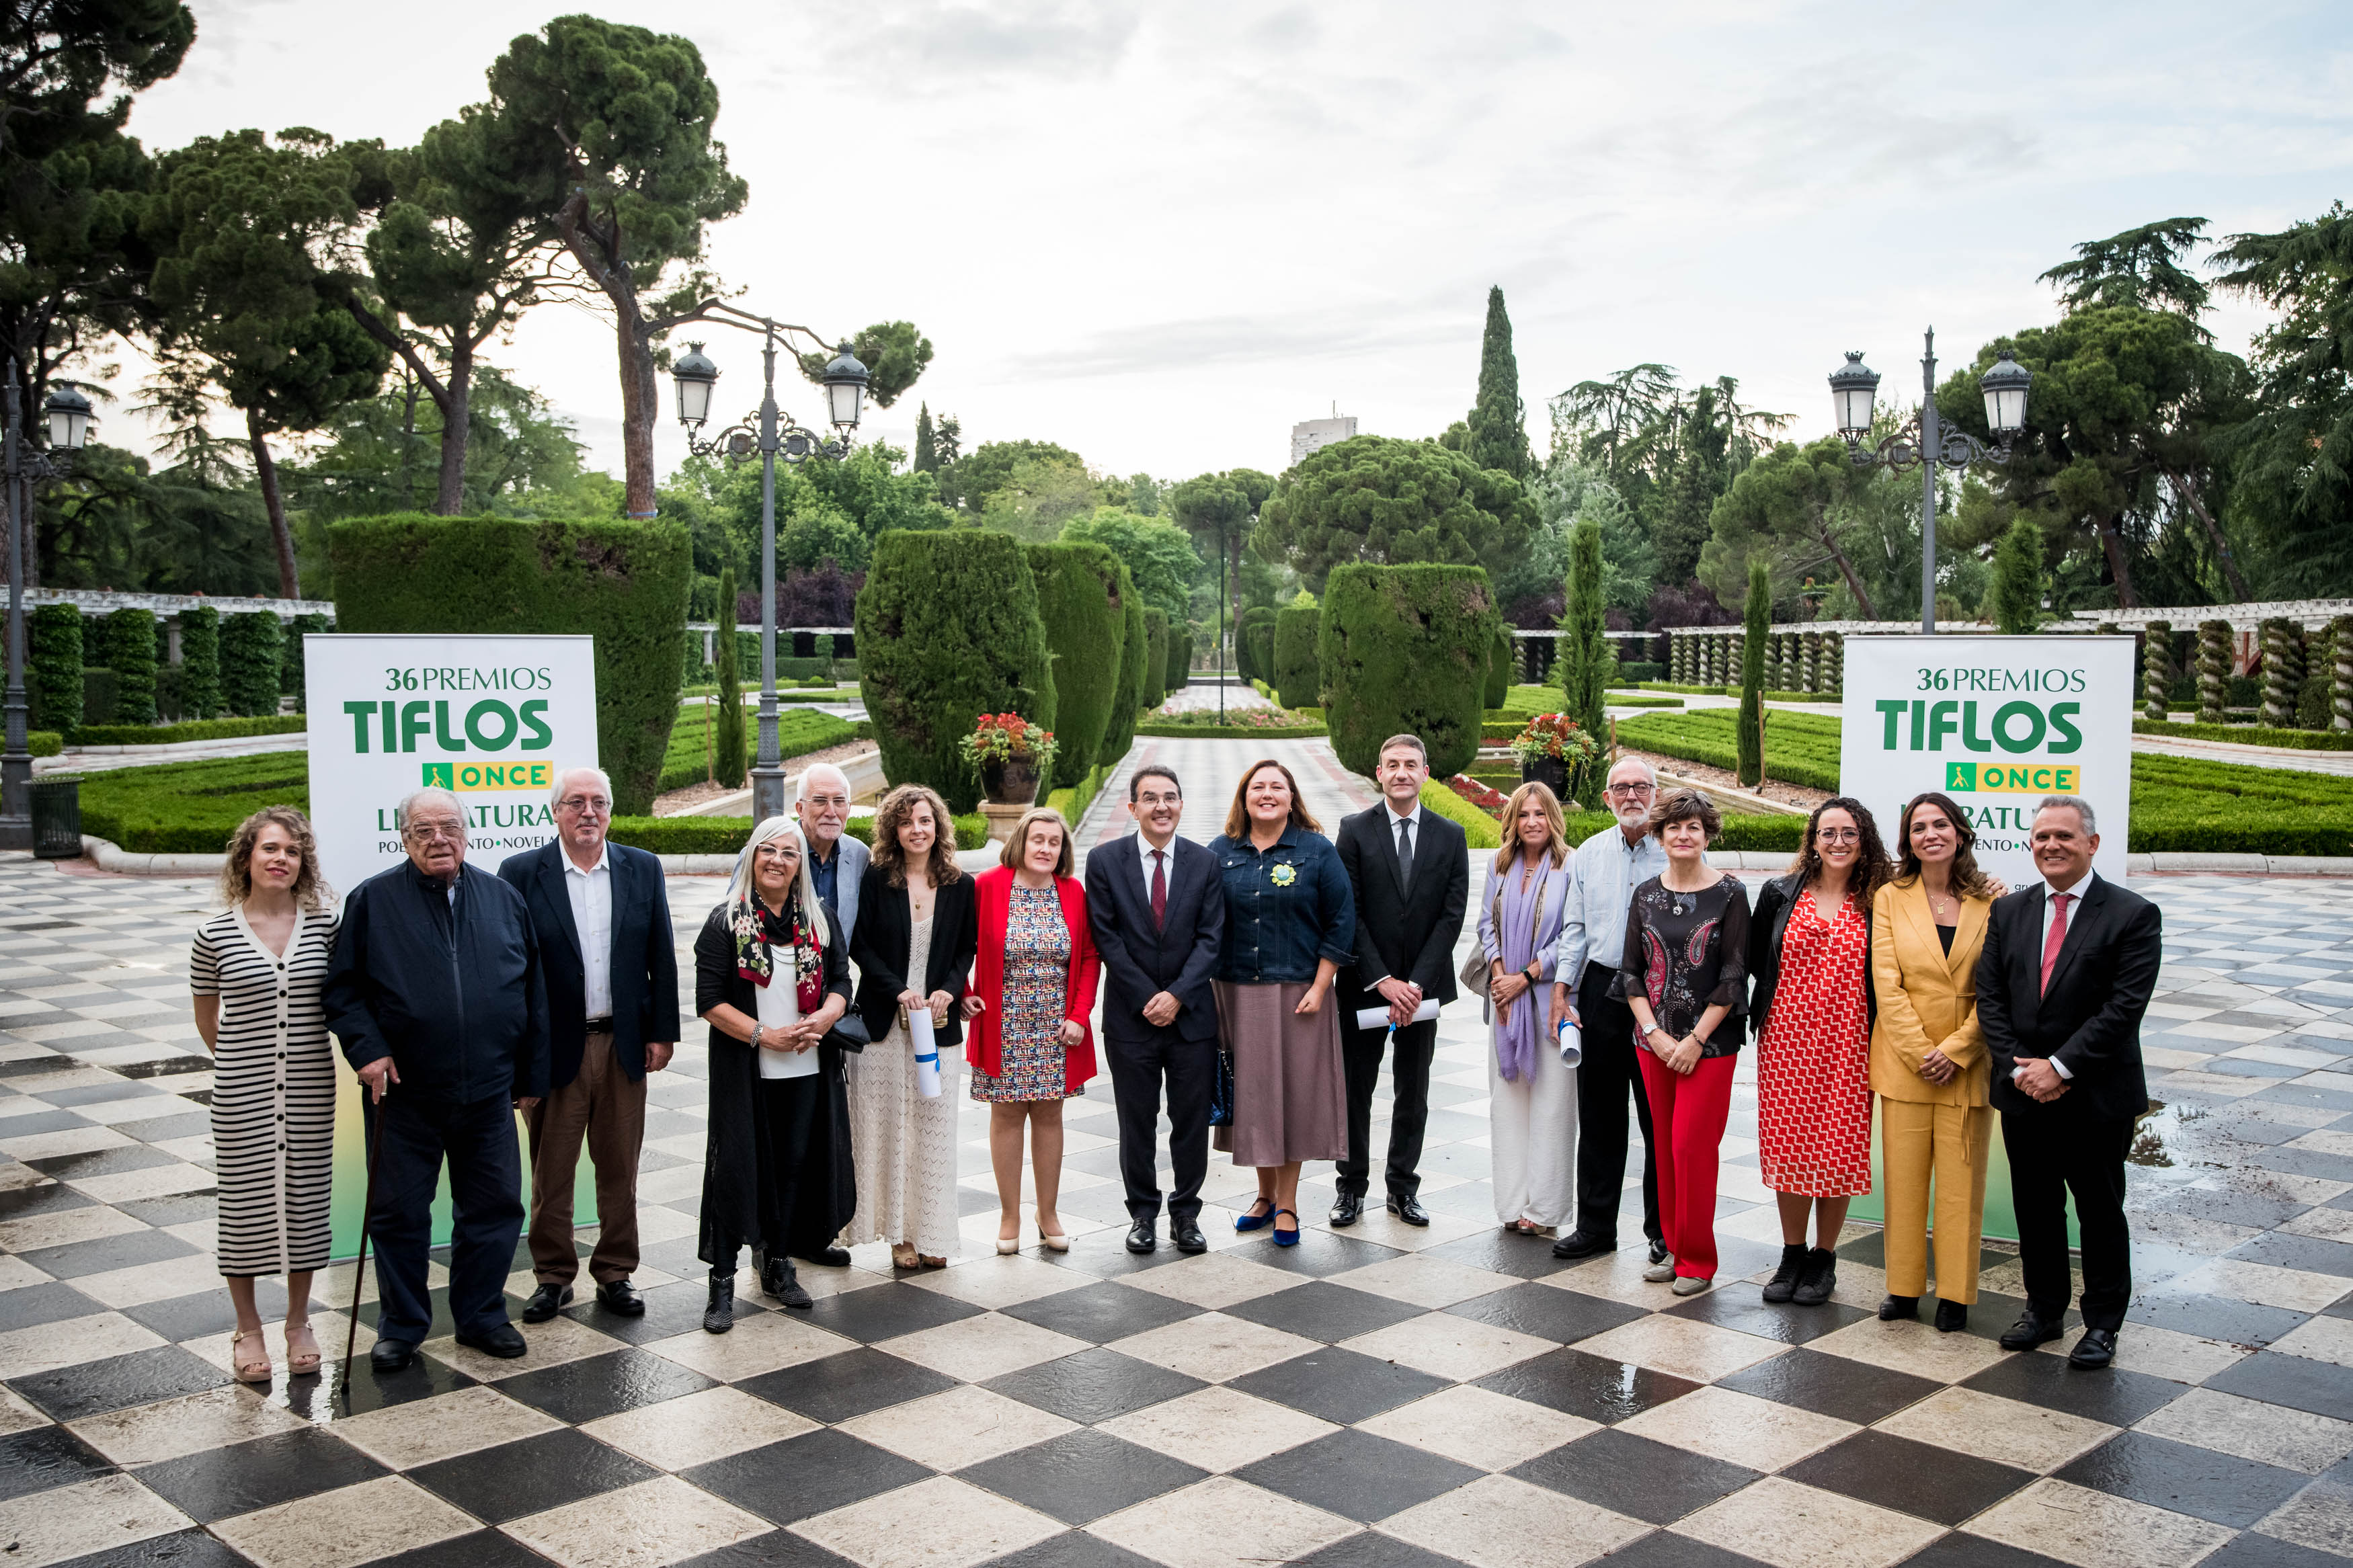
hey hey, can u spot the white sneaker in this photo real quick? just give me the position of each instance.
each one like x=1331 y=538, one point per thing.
x=1692 y=1285
x=1660 y=1272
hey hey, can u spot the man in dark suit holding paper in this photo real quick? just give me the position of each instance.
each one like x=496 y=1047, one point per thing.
x=1410 y=869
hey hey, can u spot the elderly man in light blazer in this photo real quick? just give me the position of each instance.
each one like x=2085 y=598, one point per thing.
x=837 y=862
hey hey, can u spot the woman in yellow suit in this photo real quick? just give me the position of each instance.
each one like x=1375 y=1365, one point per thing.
x=1928 y=1062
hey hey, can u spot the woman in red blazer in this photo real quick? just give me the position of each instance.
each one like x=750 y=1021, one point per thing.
x=1033 y=986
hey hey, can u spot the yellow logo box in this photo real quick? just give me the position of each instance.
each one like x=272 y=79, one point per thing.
x=2013 y=778
x=469 y=777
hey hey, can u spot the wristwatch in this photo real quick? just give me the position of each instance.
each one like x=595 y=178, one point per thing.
x=755 y=1041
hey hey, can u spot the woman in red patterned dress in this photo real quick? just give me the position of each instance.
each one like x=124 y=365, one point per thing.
x=1809 y=951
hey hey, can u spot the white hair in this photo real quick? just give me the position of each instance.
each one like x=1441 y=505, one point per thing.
x=2076 y=803
x=555 y=790
x=739 y=885
x=1648 y=770
x=810 y=774
x=432 y=795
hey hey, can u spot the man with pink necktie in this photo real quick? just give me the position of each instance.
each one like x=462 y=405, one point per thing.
x=2065 y=975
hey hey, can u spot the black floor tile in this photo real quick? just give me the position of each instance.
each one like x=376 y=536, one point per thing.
x=530 y=1475
x=777 y=1549
x=1359 y=1476
x=206 y=1311
x=1094 y=1386
x=1653 y=1481
x=46 y=1456
x=47 y=1198
x=181 y=1549
x=2252 y=1550
x=102 y=1162
x=1870 y=1249
x=443 y=1325
x=1522 y=1256
x=1320 y=1310
x=1106 y=1262
x=1740 y=1306
x=2112 y=1395
x=1320 y=1253
x=1592 y=1387
x=2310 y=1253
x=128 y=1250
x=118 y=1088
x=669 y=1310
x=1081 y=1476
x=886 y=1312
x=1832 y=1385
x=1104 y=1311
x=188 y=1124
x=142 y=1377
x=2213 y=1318
x=1896 y=1472
x=34 y=1305
x=836 y=1387
x=2230 y=1208
x=1339 y=1384
x=2184 y=1478
x=1663 y=1549
x=1975 y=1552
x=34 y=1122
x=220 y=1482
x=1077 y=1549
x=1547 y=1312
x=422 y=1378
x=805 y=1475
x=583 y=1391
x=477 y=1549
x=2321 y=1387
x=173 y=1208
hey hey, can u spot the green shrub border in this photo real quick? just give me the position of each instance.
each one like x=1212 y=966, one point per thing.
x=2252 y=735
x=1734 y=691
x=193 y=730
x=1229 y=733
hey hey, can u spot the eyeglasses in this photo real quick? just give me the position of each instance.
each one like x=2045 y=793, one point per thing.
x=594 y=804
x=1631 y=789
x=1839 y=836
x=428 y=832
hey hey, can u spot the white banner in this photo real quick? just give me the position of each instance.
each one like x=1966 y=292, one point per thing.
x=488 y=718
x=1996 y=722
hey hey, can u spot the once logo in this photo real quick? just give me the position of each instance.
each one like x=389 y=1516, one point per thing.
x=464 y=777
x=2013 y=778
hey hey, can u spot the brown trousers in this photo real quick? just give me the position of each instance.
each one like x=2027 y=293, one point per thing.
x=601 y=1105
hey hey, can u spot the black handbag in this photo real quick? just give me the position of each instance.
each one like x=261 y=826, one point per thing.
x=1221 y=1092
x=848 y=1033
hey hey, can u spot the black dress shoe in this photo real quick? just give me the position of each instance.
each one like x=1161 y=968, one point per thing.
x=1409 y=1209
x=1346 y=1208
x=1186 y=1234
x=545 y=1302
x=1899 y=1310
x=831 y=1258
x=1658 y=1252
x=1141 y=1238
x=1584 y=1244
x=1952 y=1317
x=719 y=1313
x=391 y=1356
x=505 y=1342
x=2030 y=1330
x=1784 y=1283
x=777 y=1278
x=619 y=1296
x=1818 y=1280
x=2098 y=1348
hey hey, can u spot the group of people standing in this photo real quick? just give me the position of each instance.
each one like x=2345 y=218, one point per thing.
x=1253 y=988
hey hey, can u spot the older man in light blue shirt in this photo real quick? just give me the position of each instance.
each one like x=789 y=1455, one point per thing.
x=1604 y=873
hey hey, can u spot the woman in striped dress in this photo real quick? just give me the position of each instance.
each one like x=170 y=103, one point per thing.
x=257 y=972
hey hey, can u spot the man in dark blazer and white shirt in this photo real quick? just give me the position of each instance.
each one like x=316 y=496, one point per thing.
x=1156 y=907
x=1410 y=869
x=601 y=915
x=2065 y=975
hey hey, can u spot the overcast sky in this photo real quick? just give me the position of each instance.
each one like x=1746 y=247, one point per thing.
x=1160 y=234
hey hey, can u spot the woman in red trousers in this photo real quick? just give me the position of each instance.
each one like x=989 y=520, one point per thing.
x=1033 y=986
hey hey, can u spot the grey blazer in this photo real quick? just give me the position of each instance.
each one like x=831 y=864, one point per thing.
x=846 y=880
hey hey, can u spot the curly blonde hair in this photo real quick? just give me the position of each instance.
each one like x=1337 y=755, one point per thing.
x=897 y=807
x=311 y=889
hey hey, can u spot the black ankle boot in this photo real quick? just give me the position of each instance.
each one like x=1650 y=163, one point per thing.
x=719 y=1315
x=779 y=1280
x=1899 y=1308
x=1818 y=1279
x=1784 y=1283
x=1951 y=1317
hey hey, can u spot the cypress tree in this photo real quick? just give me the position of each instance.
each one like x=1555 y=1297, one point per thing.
x=1757 y=623
x=2015 y=595
x=1585 y=652
x=1498 y=437
x=1086 y=632
x=727 y=739
x=200 y=682
x=927 y=448
x=127 y=643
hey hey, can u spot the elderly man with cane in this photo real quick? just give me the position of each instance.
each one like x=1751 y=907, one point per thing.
x=436 y=992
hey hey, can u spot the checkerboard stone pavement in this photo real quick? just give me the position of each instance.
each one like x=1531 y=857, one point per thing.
x=1385 y=1396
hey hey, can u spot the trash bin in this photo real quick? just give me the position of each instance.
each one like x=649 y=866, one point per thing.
x=56 y=817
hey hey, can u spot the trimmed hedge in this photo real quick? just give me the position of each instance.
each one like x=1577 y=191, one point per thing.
x=1641 y=670
x=126 y=644
x=2253 y=735
x=1127 y=699
x=1405 y=650
x=1255 y=654
x=190 y=809
x=53 y=664
x=1734 y=691
x=194 y=729
x=948 y=630
x=1500 y=670
x=1180 y=656
x=1156 y=656
x=622 y=582
x=99 y=688
x=200 y=672
x=1086 y=631
x=1483 y=831
x=43 y=743
x=691 y=751
x=251 y=644
x=1295 y=682
x=1072 y=802
x=291 y=668
x=1799 y=748
x=1169 y=730
x=730 y=754
x=971 y=830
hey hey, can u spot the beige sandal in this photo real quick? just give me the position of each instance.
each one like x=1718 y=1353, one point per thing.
x=905 y=1257
x=302 y=1352
x=254 y=1370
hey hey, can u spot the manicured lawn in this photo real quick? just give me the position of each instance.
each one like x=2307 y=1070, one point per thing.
x=798 y=732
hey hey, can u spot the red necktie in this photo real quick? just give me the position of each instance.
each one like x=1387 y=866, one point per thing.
x=2057 y=939
x=1159 y=891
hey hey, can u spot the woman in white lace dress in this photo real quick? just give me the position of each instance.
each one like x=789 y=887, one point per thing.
x=913 y=947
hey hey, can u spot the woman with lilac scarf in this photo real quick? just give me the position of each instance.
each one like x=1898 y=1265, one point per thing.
x=1530 y=1095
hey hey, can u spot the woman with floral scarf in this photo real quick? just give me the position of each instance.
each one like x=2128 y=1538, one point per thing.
x=771 y=978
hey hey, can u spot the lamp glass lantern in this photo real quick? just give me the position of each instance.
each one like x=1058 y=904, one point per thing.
x=1853 y=387
x=696 y=376
x=69 y=413
x=2005 y=387
x=846 y=380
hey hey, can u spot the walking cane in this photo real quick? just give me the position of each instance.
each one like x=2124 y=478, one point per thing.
x=359 y=1277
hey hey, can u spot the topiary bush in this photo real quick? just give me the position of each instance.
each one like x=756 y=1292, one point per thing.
x=730 y=754
x=200 y=675
x=126 y=644
x=1295 y=679
x=1180 y=656
x=249 y=647
x=1119 y=734
x=53 y=667
x=1405 y=650
x=622 y=582
x=1086 y=631
x=1500 y=670
x=1251 y=660
x=291 y=668
x=947 y=630
x=1156 y=656
x=99 y=688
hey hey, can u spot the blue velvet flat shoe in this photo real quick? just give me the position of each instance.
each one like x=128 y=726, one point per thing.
x=1286 y=1237
x=1254 y=1221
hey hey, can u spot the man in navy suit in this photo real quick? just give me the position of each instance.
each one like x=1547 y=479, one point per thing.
x=601 y=916
x=1157 y=905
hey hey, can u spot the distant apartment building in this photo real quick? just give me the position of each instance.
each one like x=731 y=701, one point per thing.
x=1309 y=435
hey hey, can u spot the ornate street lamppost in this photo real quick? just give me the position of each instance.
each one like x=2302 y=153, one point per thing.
x=1927 y=442
x=68 y=421
x=772 y=436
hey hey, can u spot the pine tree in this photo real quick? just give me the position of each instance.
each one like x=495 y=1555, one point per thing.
x=1499 y=434
x=1757 y=623
x=1586 y=655
x=927 y=451
x=2015 y=595
x=728 y=741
